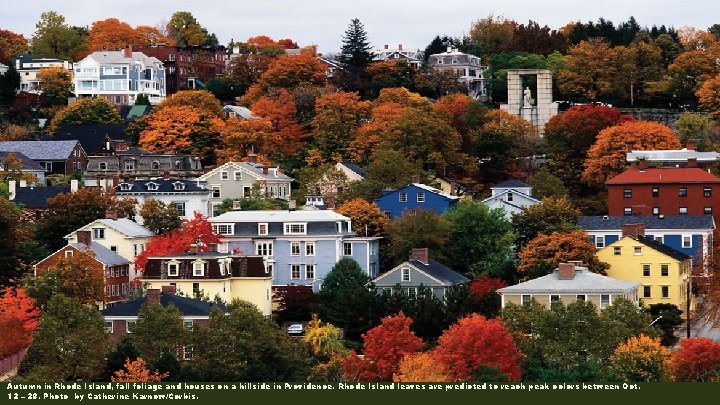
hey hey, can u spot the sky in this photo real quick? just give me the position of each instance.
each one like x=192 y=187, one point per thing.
x=412 y=23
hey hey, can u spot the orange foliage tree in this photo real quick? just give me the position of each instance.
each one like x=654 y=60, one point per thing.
x=689 y=70
x=384 y=347
x=641 y=359
x=291 y=71
x=239 y=137
x=81 y=277
x=421 y=367
x=286 y=137
x=606 y=157
x=337 y=118
x=475 y=341
x=543 y=253
x=709 y=95
x=137 y=371
x=370 y=134
x=13 y=336
x=403 y=97
x=592 y=70
x=110 y=34
x=151 y=36
x=202 y=102
x=697 y=360
x=170 y=129
x=367 y=218
x=11 y=45
x=15 y=302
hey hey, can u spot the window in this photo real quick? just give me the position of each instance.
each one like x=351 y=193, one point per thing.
x=102 y=166
x=98 y=233
x=310 y=272
x=627 y=211
x=237 y=176
x=403 y=197
x=637 y=250
x=617 y=250
x=707 y=192
x=295 y=229
x=656 y=211
x=196 y=289
x=581 y=297
x=347 y=249
x=125 y=186
x=411 y=292
x=108 y=326
x=264 y=248
x=294 y=271
x=180 y=207
x=309 y=248
x=686 y=241
x=179 y=186
x=660 y=239
x=509 y=196
x=294 y=248
x=655 y=192
x=223 y=175
x=646 y=270
x=554 y=299
x=152 y=186
x=647 y=291
x=683 y=211
x=665 y=291
x=129 y=326
x=68 y=253
x=198 y=269
x=604 y=301
x=155 y=165
x=599 y=242
x=129 y=165
x=48 y=166
x=263 y=229
x=405 y=274
x=224 y=229
x=707 y=210
x=171 y=57
x=627 y=193
x=216 y=192
x=420 y=197
x=682 y=192
x=113 y=248
x=664 y=270
x=525 y=299
x=188 y=325
x=172 y=269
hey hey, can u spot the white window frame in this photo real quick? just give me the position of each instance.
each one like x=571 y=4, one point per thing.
x=295 y=228
x=637 y=250
x=688 y=239
x=237 y=175
x=310 y=272
x=294 y=248
x=402 y=197
x=295 y=272
x=224 y=175
x=264 y=247
x=224 y=229
x=98 y=233
x=68 y=253
x=525 y=298
x=309 y=248
x=109 y=327
x=177 y=268
x=181 y=213
x=609 y=300
x=262 y=228
x=128 y=329
x=198 y=268
x=152 y=186
x=600 y=241
x=178 y=186
x=347 y=249
x=420 y=197
x=405 y=274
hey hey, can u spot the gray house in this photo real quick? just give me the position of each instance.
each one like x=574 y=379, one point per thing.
x=134 y=163
x=420 y=270
x=27 y=165
x=57 y=157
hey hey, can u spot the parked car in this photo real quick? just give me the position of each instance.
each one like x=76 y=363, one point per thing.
x=296 y=329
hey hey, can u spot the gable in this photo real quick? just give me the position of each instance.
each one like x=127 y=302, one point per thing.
x=417 y=277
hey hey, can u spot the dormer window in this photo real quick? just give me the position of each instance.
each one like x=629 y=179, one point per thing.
x=295 y=229
x=172 y=269
x=102 y=166
x=198 y=268
x=155 y=165
x=125 y=186
x=179 y=186
x=129 y=165
x=152 y=186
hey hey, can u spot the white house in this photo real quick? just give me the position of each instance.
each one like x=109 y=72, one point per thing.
x=188 y=196
x=468 y=69
x=28 y=68
x=512 y=196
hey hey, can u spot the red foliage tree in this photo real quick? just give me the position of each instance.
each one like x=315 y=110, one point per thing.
x=574 y=131
x=287 y=135
x=13 y=336
x=195 y=231
x=697 y=360
x=475 y=341
x=16 y=303
x=483 y=286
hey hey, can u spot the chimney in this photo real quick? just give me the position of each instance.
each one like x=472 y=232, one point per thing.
x=692 y=162
x=399 y=47
x=420 y=254
x=115 y=181
x=237 y=205
x=11 y=189
x=265 y=169
x=128 y=52
x=633 y=230
x=84 y=237
x=449 y=49
x=414 y=179
x=166 y=175
x=566 y=271
x=690 y=145
x=292 y=205
x=111 y=214
x=152 y=296
x=330 y=202
x=194 y=249
x=252 y=158
x=386 y=46
x=641 y=164
x=73 y=185
x=168 y=289
x=453 y=187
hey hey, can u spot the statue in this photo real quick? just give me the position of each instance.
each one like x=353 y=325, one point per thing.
x=527 y=100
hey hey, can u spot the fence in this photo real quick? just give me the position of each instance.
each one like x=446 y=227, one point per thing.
x=12 y=361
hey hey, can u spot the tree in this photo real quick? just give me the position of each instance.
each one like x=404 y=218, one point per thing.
x=389 y=74
x=697 y=360
x=384 y=347
x=422 y=229
x=481 y=239
x=546 y=184
x=14 y=302
x=12 y=45
x=491 y=36
x=295 y=303
x=337 y=118
x=158 y=329
x=708 y=97
x=81 y=278
x=484 y=294
x=124 y=350
x=501 y=141
x=286 y=136
x=70 y=343
x=420 y=367
x=148 y=36
x=137 y=371
x=323 y=339
x=345 y=298
x=592 y=71
x=367 y=218
x=667 y=318
x=56 y=85
x=185 y=29
x=464 y=114
x=53 y=38
x=13 y=336
x=475 y=341
x=688 y=71
x=110 y=34
x=238 y=138
x=641 y=359
x=551 y=215
x=86 y=111
x=202 y=102
x=356 y=53
x=10 y=268
x=159 y=217
x=606 y=157
x=291 y=71
x=171 y=128
x=543 y=253
x=699 y=129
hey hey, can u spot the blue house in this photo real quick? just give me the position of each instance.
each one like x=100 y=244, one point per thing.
x=415 y=196
x=689 y=234
x=299 y=247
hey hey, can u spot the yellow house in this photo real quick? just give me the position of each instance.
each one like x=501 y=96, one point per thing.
x=212 y=274
x=663 y=272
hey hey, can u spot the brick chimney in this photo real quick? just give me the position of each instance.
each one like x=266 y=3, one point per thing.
x=420 y=254
x=111 y=214
x=566 y=271
x=641 y=164
x=168 y=289
x=252 y=158
x=692 y=162
x=690 y=145
x=84 y=237
x=330 y=202
x=265 y=169
x=414 y=179
x=386 y=46
x=128 y=52
x=166 y=175
x=633 y=230
x=152 y=296
x=399 y=47
x=292 y=205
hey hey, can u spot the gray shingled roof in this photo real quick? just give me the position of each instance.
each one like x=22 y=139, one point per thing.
x=186 y=306
x=511 y=184
x=40 y=150
x=164 y=186
x=584 y=282
x=257 y=168
x=661 y=247
x=27 y=163
x=36 y=197
x=127 y=227
x=681 y=155
x=441 y=272
x=103 y=254
x=597 y=223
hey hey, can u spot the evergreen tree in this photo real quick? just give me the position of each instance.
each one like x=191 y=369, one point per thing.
x=356 y=52
x=9 y=82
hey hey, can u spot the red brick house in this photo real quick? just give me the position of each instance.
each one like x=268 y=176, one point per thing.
x=115 y=267
x=664 y=191
x=188 y=67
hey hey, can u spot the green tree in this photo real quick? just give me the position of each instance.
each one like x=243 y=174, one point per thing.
x=388 y=169
x=9 y=83
x=356 y=53
x=86 y=111
x=159 y=217
x=69 y=345
x=545 y=184
x=699 y=129
x=125 y=349
x=10 y=269
x=422 y=229
x=157 y=329
x=53 y=38
x=345 y=298
x=666 y=317
x=185 y=29
x=551 y=215
x=481 y=238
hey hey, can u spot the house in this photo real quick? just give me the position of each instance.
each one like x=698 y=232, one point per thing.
x=3 y=68
x=57 y=157
x=685 y=157
x=300 y=247
x=352 y=171
x=120 y=318
x=188 y=196
x=137 y=164
x=33 y=200
x=469 y=70
x=451 y=186
x=512 y=196
x=664 y=191
x=115 y=267
x=236 y=180
x=123 y=236
x=418 y=271
x=663 y=272
x=120 y=76
x=95 y=139
x=188 y=67
x=28 y=68
x=239 y=112
x=415 y=196
x=213 y=275
x=413 y=58
x=568 y=283
x=27 y=166
x=689 y=234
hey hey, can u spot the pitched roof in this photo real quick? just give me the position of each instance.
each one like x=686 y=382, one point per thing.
x=681 y=155
x=36 y=197
x=27 y=163
x=499 y=195
x=257 y=169
x=102 y=254
x=596 y=223
x=127 y=227
x=512 y=183
x=92 y=136
x=434 y=190
x=279 y=216
x=164 y=186
x=634 y=175
x=440 y=271
x=355 y=168
x=660 y=247
x=584 y=281
x=41 y=150
x=186 y=306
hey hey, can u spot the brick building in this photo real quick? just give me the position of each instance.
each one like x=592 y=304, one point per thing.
x=188 y=67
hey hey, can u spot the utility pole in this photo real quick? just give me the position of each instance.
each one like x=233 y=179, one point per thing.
x=687 y=312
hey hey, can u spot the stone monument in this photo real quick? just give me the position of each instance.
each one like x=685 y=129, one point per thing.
x=537 y=111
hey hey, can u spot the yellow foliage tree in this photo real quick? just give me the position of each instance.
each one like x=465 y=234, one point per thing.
x=421 y=367
x=137 y=371
x=403 y=97
x=323 y=340
x=544 y=252
x=367 y=218
x=641 y=359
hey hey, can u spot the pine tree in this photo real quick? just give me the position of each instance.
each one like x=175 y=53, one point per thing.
x=356 y=52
